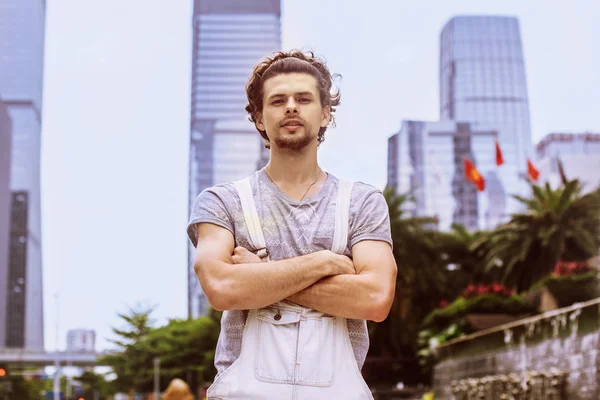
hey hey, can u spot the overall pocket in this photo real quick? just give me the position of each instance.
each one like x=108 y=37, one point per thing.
x=315 y=365
x=276 y=345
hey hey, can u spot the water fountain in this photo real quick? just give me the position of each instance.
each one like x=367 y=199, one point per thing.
x=554 y=355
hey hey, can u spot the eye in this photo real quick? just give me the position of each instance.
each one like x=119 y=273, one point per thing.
x=305 y=100
x=277 y=102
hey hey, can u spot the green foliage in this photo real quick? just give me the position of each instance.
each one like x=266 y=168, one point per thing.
x=445 y=324
x=420 y=282
x=558 y=224
x=430 y=338
x=129 y=354
x=92 y=382
x=414 y=245
x=23 y=389
x=185 y=349
x=441 y=318
x=569 y=289
x=422 y=256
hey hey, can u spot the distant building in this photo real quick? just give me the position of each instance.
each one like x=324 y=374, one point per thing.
x=81 y=340
x=236 y=150
x=5 y=201
x=230 y=38
x=578 y=153
x=22 y=36
x=482 y=81
x=426 y=159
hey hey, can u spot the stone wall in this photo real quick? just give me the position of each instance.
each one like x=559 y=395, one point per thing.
x=561 y=344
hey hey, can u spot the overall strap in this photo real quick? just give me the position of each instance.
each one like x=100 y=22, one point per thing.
x=244 y=189
x=342 y=213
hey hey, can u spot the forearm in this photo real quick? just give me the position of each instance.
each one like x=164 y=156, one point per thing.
x=348 y=296
x=256 y=285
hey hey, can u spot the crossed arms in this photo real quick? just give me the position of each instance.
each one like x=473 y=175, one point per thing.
x=235 y=279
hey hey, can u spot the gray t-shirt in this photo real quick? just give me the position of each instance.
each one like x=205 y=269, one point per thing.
x=291 y=228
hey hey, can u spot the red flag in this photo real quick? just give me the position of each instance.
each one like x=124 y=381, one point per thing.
x=499 y=157
x=473 y=175
x=532 y=172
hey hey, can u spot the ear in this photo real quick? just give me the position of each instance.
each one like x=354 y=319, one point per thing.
x=326 y=116
x=259 y=122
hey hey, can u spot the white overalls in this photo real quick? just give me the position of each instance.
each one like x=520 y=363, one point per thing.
x=289 y=351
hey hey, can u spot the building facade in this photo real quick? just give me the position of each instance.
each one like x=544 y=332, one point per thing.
x=81 y=341
x=482 y=81
x=579 y=155
x=426 y=159
x=5 y=197
x=22 y=30
x=230 y=38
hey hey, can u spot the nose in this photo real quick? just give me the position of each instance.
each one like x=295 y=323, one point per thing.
x=291 y=106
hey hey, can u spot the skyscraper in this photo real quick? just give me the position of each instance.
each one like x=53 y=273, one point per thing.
x=5 y=150
x=482 y=81
x=22 y=27
x=230 y=37
x=426 y=159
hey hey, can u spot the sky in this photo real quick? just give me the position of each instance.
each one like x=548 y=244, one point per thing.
x=115 y=129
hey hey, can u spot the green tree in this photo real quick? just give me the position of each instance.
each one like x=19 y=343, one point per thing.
x=185 y=349
x=92 y=382
x=558 y=224
x=463 y=255
x=129 y=355
x=419 y=285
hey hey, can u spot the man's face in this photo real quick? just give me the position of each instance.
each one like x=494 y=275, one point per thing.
x=292 y=113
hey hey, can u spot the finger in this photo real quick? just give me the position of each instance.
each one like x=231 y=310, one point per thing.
x=240 y=250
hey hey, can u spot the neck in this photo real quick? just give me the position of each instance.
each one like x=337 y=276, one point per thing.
x=293 y=167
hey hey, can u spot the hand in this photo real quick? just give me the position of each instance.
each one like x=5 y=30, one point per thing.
x=242 y=255
x=340 y=264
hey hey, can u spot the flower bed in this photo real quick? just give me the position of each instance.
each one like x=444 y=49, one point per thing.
x=480 y=304
x=479 y=307
x=571 y=282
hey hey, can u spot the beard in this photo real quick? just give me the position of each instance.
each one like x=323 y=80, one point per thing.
x=297 y=141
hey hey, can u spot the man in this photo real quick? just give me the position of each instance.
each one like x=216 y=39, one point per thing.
x=304 y=335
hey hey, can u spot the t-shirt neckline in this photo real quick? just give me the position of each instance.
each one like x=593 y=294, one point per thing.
x=264 y=178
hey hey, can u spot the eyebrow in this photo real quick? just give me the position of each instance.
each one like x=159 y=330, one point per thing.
x=273 y=96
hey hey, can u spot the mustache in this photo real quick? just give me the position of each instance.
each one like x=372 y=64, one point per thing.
x=295 y=119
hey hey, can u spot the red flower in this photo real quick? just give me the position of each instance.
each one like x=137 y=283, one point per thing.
x=469 y=291
x=443 y=303
x=482 y=289
x=563 y=268
x=497 y=288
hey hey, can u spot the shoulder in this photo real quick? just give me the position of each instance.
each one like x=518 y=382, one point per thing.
x=218 y=201
x=369 y=214
x=362 y=191
x=363 y=194
x=367 y=198
x=224 y=192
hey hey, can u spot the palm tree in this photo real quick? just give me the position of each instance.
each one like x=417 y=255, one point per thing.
x=418 y=287
x=413 y=244
x=559 y=224
x=463 y=254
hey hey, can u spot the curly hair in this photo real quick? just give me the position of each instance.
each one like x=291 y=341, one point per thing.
x=291 y=62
